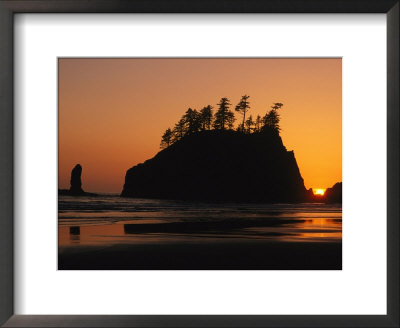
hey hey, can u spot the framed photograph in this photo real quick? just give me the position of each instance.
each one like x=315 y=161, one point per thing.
x=190 y=198
x=202 y=164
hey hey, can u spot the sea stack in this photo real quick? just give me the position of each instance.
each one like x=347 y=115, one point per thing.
x=334 y=194
x=76 y=182
x=220 y=166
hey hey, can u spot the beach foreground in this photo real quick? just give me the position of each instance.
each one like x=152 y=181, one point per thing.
x=226 y=255
x=113 y=233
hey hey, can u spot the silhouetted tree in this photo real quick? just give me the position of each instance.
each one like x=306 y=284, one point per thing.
x=206 y=116
x=166 y=139
x=272 y=118
x=179 y=130
x=277 y=106
x=230 y=119
x=224 y=118
x=243 y=106
x=249 y=125
x=192 y=121
x=257 y=124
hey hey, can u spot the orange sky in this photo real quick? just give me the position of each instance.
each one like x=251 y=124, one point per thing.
x=112 y=112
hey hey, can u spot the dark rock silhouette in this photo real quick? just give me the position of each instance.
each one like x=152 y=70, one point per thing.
x=331 y=195
x=76 y=184
x=334 y=194
x=220 y=166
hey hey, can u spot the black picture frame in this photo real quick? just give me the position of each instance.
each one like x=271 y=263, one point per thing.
x=10 y=7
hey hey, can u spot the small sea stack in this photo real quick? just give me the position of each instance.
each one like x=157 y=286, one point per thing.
x=76 y=184
x=334 y=194
x=331 y=195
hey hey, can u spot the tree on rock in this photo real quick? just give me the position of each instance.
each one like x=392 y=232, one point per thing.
x=258 y=124
x=224 y=118
x=272 y=118
x=179 y=130
x=243 y=106
x=166 y=139
x=206 y=116
x=249 y=125
x=192 y=121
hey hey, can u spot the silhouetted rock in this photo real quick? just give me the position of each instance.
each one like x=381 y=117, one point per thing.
x=310 y=195
x=331 y=195
x=76 y=184
x=220 y=166
x=334 y=194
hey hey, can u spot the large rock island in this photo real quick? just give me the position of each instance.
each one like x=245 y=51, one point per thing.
x=220 y=165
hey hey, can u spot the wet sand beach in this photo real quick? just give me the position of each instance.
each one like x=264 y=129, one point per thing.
x=226 y=255
x=112 y=233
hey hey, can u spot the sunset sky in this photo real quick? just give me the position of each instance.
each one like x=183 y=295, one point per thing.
x=112 y=112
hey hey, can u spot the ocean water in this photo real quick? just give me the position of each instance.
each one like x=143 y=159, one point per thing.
x=110 y=219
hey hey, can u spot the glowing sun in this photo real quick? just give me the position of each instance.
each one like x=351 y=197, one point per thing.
x=319 y=191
